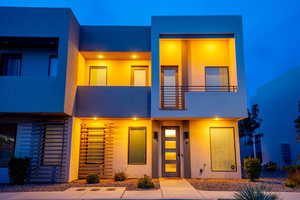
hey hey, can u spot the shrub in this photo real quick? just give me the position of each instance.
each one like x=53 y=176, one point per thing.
x=18 y=170
x=293 y=172
x=270 y=166
x=92 y=178
x=120 y=176
x=249 y=192
x=290 y=183
x=145 y=182
x=252 y=168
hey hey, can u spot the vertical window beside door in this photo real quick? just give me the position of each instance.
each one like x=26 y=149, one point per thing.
x=52 y=71
x=10 y=64
x=7 y=143
x=222 y=149
x=137 y=146
x=216 y=78
x=98 y=75
x=139 y=76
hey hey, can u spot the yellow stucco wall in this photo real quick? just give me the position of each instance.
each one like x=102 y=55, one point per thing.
x=200 y=53
x=120 y=148
x=200 y=148
x=118 y=71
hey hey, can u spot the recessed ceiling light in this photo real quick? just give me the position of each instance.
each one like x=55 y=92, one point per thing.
x=134 y=56
x=100 y=56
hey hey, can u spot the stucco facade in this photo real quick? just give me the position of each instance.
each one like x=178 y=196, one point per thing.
x=109 y=100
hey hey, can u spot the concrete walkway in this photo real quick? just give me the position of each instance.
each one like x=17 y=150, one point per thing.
x=169 y=189
x=178 y=189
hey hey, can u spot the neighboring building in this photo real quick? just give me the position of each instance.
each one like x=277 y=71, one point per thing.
x=278 y=104
x=162 y=100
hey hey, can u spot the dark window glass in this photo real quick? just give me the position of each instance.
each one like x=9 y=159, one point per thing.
x=137 y=146
x=7 y=142
x=10 y=64
x=52 y=66
x=286 y=153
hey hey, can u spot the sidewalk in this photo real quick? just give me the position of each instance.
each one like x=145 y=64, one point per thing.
x=169 y=189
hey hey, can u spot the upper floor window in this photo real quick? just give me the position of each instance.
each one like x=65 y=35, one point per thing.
x=139 y=76
x=98 y=76
x=10 y=64
x=52 y=71
x=216 y=78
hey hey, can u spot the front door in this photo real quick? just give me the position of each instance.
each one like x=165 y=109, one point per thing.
x=170 y=151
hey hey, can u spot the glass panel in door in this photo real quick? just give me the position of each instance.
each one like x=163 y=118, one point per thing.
x=170 y=153
x=98 y=76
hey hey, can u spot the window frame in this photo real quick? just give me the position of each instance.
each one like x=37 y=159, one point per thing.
x=97 y=67
x=2 y=63
x=128 y=146
x=139 y=67
x=15 y=136
x=49 y=65
x=234 y=146
x=228 y=75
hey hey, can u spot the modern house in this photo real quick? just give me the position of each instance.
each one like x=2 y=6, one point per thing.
x=162 y=100
x=278 y=104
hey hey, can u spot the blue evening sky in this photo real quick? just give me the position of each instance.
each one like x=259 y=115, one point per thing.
x=271 y=27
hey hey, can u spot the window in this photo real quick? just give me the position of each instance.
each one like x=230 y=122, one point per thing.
x=286 y=153
x=98 y=75
x=7 y=143
x=137 y=146
x=52 y=71
x=216 y=78
x=139 y=76
x=10 y=64
x=222 y=149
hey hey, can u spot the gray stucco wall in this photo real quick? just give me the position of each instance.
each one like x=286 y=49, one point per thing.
x=114 y=38
x=27 y=94
x=278 y=108
x=114 y=101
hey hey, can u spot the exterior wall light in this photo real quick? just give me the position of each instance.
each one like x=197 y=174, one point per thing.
x=134 y=118
x=134 y=56
x=95 y=118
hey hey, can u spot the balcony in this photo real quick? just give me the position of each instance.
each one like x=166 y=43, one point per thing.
x=173 y=97
x=113 y=101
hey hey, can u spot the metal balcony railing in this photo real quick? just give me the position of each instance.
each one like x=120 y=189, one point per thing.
x=172 y=97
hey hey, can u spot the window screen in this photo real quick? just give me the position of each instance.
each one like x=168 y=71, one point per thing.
x=216 y=78
x=139 y=76
x=98 y=76
x=10 y=64
x=137 y=146
x=7 y=142
x=222 y=149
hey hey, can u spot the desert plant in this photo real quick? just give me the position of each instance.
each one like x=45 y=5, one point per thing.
x=290 y=183
x=258 y=192
x=18 y=170
x=145 y=182
x=120 y=176
x=293 y=172
x=252 y=168
x=92 y=178
x=270 y=166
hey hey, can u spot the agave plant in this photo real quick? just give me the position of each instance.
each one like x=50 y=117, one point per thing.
x=259 y=192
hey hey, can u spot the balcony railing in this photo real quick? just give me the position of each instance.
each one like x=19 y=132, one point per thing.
x=172 y=97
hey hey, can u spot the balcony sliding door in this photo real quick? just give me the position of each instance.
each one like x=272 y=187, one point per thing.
x=169 y=90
